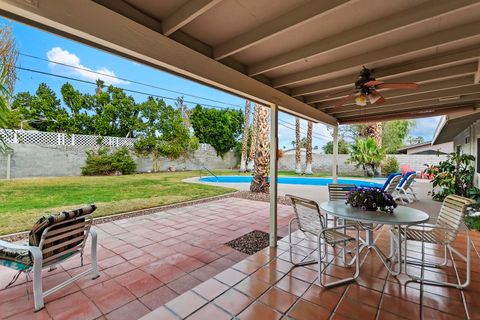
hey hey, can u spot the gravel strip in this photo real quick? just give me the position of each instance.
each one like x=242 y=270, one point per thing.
x=265 y=197
x=251 y=242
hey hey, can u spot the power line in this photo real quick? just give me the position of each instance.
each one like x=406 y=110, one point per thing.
x=124 y=79
x=281 y=122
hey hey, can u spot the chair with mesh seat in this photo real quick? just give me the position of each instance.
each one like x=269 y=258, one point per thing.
x=392 y=185
x=444 y=232
x=311 y=222
x=52 y=240
x=338 y=191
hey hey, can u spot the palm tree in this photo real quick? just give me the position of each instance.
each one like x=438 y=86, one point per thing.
x=375 y=131
x=243 y=161
x=365 y=153
x=100 y=86
x=309 y=155
x=260 y=182
x=253 y=143
x=298 y=159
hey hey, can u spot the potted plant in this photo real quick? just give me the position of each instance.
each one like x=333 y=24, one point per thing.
x=371 y=199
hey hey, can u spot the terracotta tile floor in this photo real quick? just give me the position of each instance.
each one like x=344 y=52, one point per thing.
x=146 y=261
x=266 y=286
x=173 y=265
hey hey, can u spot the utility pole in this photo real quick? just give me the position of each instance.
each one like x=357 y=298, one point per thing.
x=180 y=106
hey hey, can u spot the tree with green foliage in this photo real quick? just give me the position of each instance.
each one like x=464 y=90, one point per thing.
x=365 y=153
x=8 y=76
x=411 y=140
x=343 y=147
x=219 y=128
x=164 y=133
x=394 y=134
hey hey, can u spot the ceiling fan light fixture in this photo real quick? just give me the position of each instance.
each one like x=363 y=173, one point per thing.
x=373 y=97
x=361 y=100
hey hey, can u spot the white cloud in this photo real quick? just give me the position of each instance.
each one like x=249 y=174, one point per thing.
x=59 y=55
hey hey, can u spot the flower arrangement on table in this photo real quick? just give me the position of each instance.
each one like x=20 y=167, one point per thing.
x=371 y=199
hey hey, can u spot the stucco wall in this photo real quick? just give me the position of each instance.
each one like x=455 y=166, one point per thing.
x=65 y=160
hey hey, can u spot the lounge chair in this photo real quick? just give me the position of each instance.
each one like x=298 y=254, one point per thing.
x=311 y=222
x=443 y=232
x=52 y=240
x=391 y=185
x=404 y=189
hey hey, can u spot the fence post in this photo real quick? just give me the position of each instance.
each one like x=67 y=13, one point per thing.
x=73 y=139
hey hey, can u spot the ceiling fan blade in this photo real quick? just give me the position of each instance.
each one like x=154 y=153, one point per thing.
x=372 y=83
x=406 y=86
x=346 y=99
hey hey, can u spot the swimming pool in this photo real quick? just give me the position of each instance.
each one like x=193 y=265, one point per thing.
x=292 y=180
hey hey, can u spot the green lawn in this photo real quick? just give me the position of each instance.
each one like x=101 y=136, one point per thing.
x=23 y=201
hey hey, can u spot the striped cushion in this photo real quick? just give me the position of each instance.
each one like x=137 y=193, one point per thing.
x=15 y=259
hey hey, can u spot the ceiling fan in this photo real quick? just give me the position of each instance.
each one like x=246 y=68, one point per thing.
x=366 y=90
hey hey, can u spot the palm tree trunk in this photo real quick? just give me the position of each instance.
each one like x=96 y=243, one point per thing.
x=243 y=161
x=375 y=131
x=309 y=155
x=253 y=143
x=298 y=159
x=260 y=182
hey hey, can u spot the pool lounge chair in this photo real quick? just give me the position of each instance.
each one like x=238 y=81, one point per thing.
x=52 y=240
x=391 y=184
x=405 y=190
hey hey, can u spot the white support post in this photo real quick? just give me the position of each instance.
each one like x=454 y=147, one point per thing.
x=9 y=164
x=273 y=174
x=335 y=155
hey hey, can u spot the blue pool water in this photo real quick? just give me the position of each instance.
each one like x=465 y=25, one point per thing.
x=293 y=180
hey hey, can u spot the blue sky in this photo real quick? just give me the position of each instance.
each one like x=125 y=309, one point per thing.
x=42 y=44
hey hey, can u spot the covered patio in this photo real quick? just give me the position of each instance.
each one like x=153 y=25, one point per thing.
x=297 y=57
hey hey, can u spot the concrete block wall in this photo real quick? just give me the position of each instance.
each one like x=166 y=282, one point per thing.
x=323 y=162
x=30 y=160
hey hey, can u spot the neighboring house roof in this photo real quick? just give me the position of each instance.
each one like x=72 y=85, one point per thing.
x=452 y=125
x=413 y=146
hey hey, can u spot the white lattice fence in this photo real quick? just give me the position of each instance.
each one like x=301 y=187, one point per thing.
x=54 y=138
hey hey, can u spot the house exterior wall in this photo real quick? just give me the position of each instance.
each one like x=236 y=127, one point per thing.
x=466 y=142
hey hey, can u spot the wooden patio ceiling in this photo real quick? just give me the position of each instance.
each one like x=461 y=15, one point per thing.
x=294 y=53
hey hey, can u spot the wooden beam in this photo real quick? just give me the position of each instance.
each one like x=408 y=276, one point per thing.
x=295 y=18
x=399 y=101
x=412 y=106
x=412 y=115
x=102 y=28
x=391 y=73
x=424 y=11
x=185 y=14
x=430 y=41
x=392 y=94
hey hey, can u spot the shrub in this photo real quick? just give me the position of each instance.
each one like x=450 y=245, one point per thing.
x=102 y=162
x=390 y=165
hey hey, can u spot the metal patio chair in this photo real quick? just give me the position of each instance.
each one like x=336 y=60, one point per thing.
x=444 y=232
x=311 y=222
x=338 y=191
x=52 y=240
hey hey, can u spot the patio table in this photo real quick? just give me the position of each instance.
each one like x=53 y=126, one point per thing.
x=402 y=216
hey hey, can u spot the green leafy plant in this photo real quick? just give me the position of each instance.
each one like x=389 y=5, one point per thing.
x=454 y=176
x=365 y=153
x=389 y=165
x=165 y=133
x=342 y=147
x=219 y=128
x=102 y=162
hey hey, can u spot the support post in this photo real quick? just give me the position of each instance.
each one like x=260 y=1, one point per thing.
x=273 y=174
x=335 y=155
x=9 y=164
